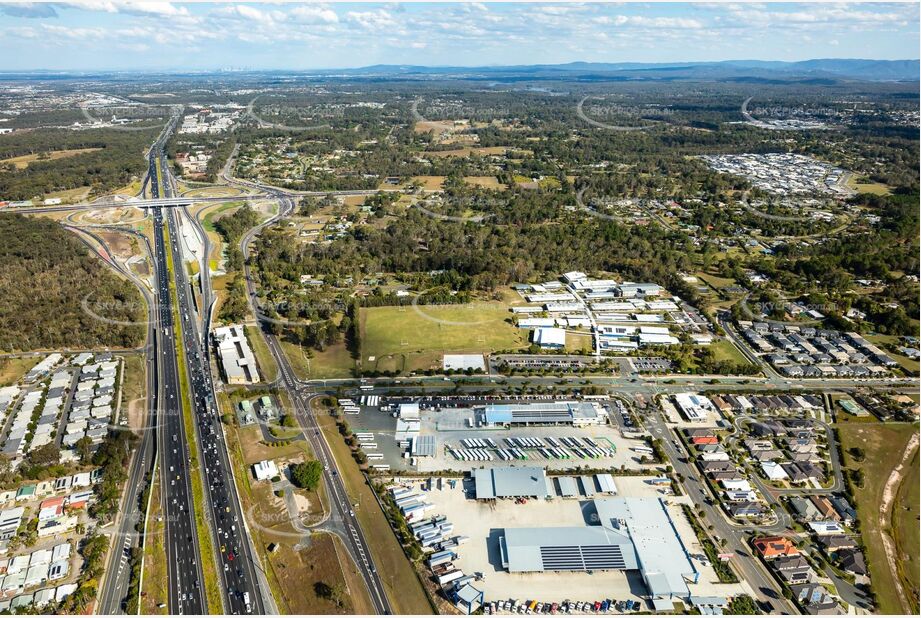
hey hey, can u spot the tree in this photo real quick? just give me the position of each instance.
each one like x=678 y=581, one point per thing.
x=306 y=475
x=334 y=593
x=7 y=476
x=84 y=447
x=743 y=605
x=45 y=455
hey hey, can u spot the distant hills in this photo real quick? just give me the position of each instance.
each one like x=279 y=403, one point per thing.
x=826 y=68
x=823 y=70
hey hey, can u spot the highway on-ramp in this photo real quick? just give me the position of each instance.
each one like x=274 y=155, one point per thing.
x=343 y=513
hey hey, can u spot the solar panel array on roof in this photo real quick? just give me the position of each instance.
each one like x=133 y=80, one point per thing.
x=634 y=533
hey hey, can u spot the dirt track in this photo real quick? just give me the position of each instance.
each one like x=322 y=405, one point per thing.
x=890 y=490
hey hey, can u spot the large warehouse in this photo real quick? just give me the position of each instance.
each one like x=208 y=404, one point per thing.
x=634 y=534
x=511 y=482
x=576 y=413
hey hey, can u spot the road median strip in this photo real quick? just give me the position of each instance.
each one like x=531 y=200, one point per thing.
x=213 y=595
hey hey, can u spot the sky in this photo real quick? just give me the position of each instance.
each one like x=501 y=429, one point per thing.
x=154 y=36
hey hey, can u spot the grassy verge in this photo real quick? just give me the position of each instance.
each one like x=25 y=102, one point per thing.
x=397 y=575
x=883 y=447
x=267 y=367
x=302 y=574
x=208 y=564
x=905 y=531
x=12 y=369
x=154 y=588
x=722 y=569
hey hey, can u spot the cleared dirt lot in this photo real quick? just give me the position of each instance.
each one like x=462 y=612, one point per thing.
x=483 y=523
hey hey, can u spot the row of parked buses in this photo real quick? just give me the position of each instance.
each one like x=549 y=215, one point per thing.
x=514 y=606
x=471 y=454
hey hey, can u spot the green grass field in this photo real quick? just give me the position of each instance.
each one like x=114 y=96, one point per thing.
x=715 y=281
x=884 y=446
x=12 y=369
x=333 y=362
x=868 y=186
x=906 y=530
x=267 y=367
x=414 y=338
x=724 y=350
x=576 y=342
x=208 y=221
x=907 y=363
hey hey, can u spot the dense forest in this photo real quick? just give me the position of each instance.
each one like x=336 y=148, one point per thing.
x=120 y=156
x=46 y=278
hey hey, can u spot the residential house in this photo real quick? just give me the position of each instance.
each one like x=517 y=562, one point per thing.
x=773 y=470
x=794 y=474
x=746 y=509
x=852 y=561
x=793 y=569
x=833 y=543
x=815 y=599
x=825 y=507
x=771 y=547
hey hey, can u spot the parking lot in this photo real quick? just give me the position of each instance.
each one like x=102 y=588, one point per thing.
x=608 y=447
x=483 y=522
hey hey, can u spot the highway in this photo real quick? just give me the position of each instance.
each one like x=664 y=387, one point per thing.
x=239 y=574
x=186 y=594
x=342 y=517
x=236 y=565
x=114 y=587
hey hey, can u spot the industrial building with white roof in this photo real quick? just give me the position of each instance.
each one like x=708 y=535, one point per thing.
x=633 y=534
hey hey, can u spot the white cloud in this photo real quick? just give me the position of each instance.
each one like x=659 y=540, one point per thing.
x=650 y=22
x=371 y=20
x=129 y=7
x=313 y=13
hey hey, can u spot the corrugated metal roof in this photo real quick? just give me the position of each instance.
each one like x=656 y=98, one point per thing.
x=510 y=482
x=606 y=483
x=568 y=487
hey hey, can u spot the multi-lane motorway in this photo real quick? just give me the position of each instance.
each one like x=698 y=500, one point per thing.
x=236 y=566
x=234 y=557
x=186 y=594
